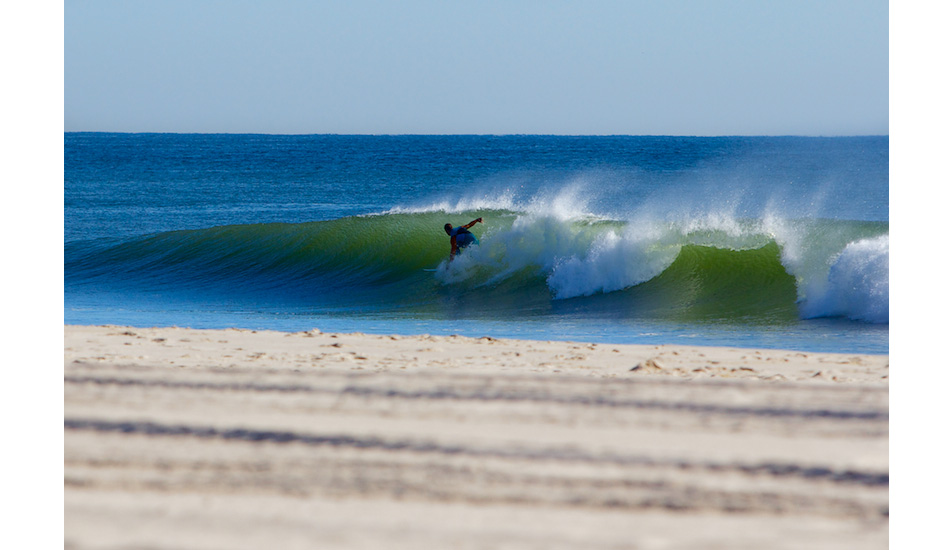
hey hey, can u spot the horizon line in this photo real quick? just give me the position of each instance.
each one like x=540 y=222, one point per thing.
x=386 y=134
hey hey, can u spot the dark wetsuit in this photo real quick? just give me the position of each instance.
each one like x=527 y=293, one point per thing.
x=463 y=237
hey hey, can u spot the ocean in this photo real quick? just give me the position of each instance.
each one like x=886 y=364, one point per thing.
x=766 y=242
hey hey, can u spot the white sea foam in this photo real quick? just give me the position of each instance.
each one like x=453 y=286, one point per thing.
x=614 y=261
x=857 y=285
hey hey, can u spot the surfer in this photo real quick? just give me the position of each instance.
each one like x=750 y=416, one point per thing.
x=461 y=237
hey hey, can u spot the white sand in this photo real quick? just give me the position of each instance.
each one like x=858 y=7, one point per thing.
x=178 y=438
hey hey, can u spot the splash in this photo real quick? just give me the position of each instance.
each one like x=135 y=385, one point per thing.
x=857 y=285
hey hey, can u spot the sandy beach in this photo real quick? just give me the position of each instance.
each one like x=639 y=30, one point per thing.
x=209 y=439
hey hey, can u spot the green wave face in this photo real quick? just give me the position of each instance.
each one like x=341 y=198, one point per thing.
x=527 y=264
x=707 y=282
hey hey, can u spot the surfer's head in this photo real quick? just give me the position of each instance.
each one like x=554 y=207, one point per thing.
x=448 y=228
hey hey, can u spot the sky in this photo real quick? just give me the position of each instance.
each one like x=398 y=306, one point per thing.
x=672 y=67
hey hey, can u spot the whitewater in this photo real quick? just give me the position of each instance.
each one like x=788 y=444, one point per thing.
x=839 y=267
x=578 y=240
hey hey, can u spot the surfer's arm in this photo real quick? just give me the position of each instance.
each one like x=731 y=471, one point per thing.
x=471 y=223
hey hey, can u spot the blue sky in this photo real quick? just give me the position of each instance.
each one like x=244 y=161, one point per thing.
x=675 y=67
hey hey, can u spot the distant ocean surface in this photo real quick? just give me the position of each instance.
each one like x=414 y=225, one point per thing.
x=772 y=242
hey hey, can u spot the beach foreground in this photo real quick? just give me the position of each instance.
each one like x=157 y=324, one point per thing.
x=201 y=439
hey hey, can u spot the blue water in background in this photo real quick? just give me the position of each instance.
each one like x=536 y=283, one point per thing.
x=122 y=188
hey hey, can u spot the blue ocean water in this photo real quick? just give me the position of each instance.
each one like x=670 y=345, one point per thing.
x=776 y=242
